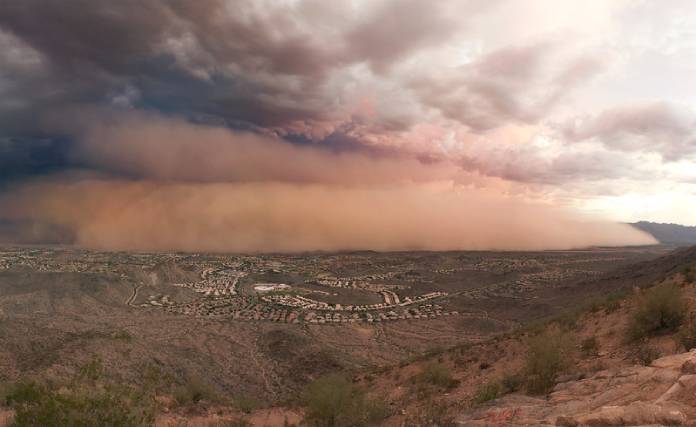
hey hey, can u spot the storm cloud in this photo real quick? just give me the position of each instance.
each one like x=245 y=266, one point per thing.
x=178 y=186
x=259 y=119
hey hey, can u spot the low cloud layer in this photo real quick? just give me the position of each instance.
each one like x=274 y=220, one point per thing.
x=152 y=147
x=172 y=185
x=283 y=217
x=147 y=182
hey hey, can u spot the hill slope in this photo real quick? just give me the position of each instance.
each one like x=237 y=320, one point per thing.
x=670 y=234
x=609 y=381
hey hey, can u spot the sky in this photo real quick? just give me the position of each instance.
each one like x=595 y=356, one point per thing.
x=295 y=125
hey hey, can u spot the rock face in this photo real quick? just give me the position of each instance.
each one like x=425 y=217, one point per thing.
x=663 y=393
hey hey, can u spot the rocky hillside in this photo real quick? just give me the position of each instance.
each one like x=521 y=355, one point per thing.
x=615 y=361
x=663 y=393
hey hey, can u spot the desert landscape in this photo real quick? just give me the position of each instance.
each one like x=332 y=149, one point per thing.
x=347 y=213
x=253 y=332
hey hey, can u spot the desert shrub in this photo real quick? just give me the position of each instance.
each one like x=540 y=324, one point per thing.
x=687 y=334
x=237 y=422
x=433 y=412
x=436 y=374
x=90 y=371
x=434 y=351
x=122 y=335
x=589 y=347
x=334 y=401
x=38 y=405
x=608 y=303
x=193 y=391
x=688 y=273
x=487 y=392
x=646 y=354
x=548 y=355
x=247 y=404
x=568 y=321
x=156 y=380
x=612 y=303
x=660 y=309
x=511 y=382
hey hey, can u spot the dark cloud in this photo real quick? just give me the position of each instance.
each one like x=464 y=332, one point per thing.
x=280 y=68
x=242 y=61
x=26 y=157
x=85 y=36
x=150 y=146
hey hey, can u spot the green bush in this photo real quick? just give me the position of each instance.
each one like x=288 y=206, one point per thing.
x=660 y=309
x=688 y=273
x=612 y=303
x=687 y=334
x=568 y=321
x=122 y=335
x=432 y=412
x=238 y=422
x=548 y=355
x=90 y=398
x=334 y=401
x=36 y=405
x=487 y=392
x=90 y=371
x=436 y=374
x=511 y=382
x=589 y=347
x=194 y=391
x=247 y=404
x=609 y=303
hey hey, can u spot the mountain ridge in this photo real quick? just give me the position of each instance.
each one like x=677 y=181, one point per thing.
x=667 y=233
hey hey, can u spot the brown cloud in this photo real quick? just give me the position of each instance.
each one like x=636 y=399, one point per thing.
x=149 y=146
x=284 y=217
x=181 y=186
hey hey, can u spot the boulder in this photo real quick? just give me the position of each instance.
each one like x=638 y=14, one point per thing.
x=634 y=414
x=661 y=394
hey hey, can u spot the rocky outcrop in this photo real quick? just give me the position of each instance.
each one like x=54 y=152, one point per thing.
x=663 y=393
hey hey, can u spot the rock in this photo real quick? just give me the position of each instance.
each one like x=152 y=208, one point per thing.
x=685 y=382
x=661 y=394
x=569 y=377
x=635 y=414
x=675 y=361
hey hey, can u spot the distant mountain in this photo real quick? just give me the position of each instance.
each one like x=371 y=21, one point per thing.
x=673 y=234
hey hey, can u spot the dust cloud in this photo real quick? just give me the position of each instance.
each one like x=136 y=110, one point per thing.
x=281 y=217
